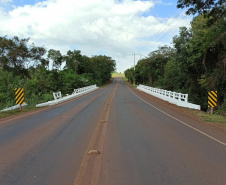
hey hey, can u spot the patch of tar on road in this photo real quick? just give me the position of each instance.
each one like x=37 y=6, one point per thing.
x=93 y=152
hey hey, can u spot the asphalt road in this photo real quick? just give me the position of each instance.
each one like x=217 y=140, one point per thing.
x=113 y=136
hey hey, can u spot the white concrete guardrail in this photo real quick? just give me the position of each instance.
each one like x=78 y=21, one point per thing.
x=57 y=95
x=172 y=97
x=77 y=92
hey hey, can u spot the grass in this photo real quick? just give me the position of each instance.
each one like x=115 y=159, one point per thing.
x=206 y=117
x=127 y=82
x=215 y=118
x=17 y=111
x=117 y=74
x=203 y=116
x=33 y=107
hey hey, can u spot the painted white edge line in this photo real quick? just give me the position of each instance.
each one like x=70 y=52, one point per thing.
x=197 y=130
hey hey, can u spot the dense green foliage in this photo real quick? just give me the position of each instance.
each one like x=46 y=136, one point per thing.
x=25 y=66
x=197 y=62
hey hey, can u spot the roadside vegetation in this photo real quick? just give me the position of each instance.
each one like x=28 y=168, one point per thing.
x=115 y=74
x=196 y=63
x=18 y=111
x=216 y=118
x=41 y=72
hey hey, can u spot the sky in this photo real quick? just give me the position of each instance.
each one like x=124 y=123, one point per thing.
x=116 y=28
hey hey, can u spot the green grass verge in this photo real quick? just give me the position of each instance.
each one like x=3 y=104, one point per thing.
x=127 y=82
x=212 y=118
x=203 y=116
x=17 y=111
x=207 y=117
x=31 y=107
x=117 y=74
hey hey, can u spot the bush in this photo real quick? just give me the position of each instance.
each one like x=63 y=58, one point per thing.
x=222 y=109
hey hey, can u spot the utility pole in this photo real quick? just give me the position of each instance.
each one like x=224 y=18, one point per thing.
x=134 y=68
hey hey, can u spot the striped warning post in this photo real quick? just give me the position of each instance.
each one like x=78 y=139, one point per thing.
x=212 y=98
x=19 y=93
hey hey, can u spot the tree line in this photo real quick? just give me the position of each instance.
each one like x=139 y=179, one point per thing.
x=41 y=72
x=196 y=63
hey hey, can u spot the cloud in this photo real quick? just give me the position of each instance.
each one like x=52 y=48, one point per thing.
x=5 y=1
x=114 y=28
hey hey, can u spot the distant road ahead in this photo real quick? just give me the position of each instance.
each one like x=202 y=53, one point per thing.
x=113 y=136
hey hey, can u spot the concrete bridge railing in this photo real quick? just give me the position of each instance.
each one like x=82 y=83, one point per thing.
x=57 y=95
x=84 y=89
x=172 y=97
x=77 y=92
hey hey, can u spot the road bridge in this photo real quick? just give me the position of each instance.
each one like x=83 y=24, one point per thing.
x=114 y=135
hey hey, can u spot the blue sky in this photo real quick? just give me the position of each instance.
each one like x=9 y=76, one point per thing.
x=24 y=2
x=116 y=29
x=163 y=9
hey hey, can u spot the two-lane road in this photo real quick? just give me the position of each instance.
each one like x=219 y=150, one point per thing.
x=110 y=137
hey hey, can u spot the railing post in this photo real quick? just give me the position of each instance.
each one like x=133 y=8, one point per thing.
x=173 y=95
x=186 y=98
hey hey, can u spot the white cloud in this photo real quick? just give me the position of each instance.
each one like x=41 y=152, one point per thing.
x=5 y=1
x=108 y=27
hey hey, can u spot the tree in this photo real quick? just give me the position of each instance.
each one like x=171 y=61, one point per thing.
x=23 y=65
x=175 y=78
x=200 y=53
x=214 y=9
x=8 y=83
x=16 y=55
x=56 y=58
x=129 y=74
x=103 y=67
x=151 y=70
x=160 y=58
x=73 y=58
x=69 y=80
x=85 y=65
x=210 y=42
x=197 y=63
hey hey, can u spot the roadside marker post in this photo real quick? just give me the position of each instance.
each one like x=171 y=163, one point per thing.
x=19 y=96
x=212 y=100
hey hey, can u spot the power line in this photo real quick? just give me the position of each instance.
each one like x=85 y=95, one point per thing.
x=160 y=29
x=159 y=32
x=164 y=35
